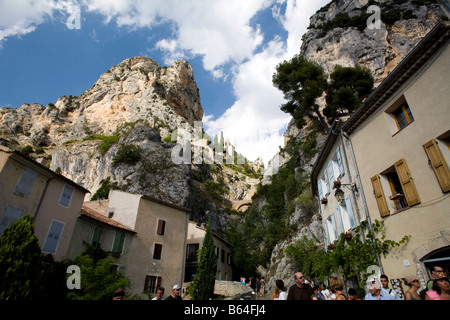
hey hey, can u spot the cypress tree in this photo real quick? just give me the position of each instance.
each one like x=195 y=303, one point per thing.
x=203 y=286
x=20 y=262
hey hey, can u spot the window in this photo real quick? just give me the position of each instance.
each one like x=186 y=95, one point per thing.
x=438 y=163
x=191 y=252
x=53 y=237
x=403 y=115
x=404 y=192
x=397 y=191
x=26 y=181
x=10 y=215
x=335 y=168
x=345 y=215
x=66 y=196
x=152 y=283
x=161 y=227
x=117 y=249
x=157 y=251
x=222 y=257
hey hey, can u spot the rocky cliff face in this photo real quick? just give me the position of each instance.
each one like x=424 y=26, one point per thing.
x=137 y=89
x=339 y=35
x=133 y=109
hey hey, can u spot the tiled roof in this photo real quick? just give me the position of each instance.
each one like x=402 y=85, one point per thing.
x=92 y=214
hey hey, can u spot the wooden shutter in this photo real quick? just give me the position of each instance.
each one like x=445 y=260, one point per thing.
x=118 y=244
x=157 y=251
x=379 y=196
x=161 y=227
x=409 y=189
x=438 y=164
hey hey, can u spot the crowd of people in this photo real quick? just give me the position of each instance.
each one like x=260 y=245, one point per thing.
x=438 y=288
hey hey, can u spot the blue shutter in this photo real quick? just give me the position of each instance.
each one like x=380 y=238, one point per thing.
x=53 y=237
x=11 y=215
x=330 y=171
x=348 y=205
x=339 y=216
x=26 y=181
x=319 y=189
x=325 y=176
x=338 y=155
x=66 y=196
x=333 y=224
x=327 y=236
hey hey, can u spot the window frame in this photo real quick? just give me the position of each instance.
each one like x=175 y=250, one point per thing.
x=402 y=108
x=157 y=251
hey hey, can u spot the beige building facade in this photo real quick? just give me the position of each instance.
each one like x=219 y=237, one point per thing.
x=401 y=143
x=54 y=202
x=152 y=252
x=194 y=242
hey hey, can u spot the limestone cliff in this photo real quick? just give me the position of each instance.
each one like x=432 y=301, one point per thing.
x=118 y=134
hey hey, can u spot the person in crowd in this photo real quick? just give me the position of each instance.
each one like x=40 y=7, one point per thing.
x=318 y=294
x=325 y=291
x=436 y=269
x=440 y=289
x=413 y=283
x=375 y=292
x=175 y=293
x=299 y=290
x=352 y=294
x=385 y=287
x=337 y=285
x=159 y=294
x=263 y=285
x=119 y=294
x=278 y=293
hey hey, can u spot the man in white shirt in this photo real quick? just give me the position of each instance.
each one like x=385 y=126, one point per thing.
x=385 y=287
x=325 y=292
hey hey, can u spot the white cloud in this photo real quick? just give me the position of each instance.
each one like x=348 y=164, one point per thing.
x=255 y=124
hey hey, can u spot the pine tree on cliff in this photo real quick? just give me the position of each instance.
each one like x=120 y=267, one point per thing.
x=303 y=81
x=203 y=285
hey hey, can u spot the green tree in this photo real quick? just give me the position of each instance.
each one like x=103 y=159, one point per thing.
x=20 y=262
x=301 y=82
x=346 y=89
x=128 y=154
x=98 y=280
x=203 y=286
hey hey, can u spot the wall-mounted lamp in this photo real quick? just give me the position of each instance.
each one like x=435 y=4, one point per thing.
x=339 y=194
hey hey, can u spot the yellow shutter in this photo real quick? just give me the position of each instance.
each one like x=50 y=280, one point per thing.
x=438 y=163
x=407 y=183
x=379 y=195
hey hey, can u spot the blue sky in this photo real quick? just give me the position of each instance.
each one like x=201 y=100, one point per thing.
x=233 y=47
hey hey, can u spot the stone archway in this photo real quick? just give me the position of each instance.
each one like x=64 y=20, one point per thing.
x=427 y=253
